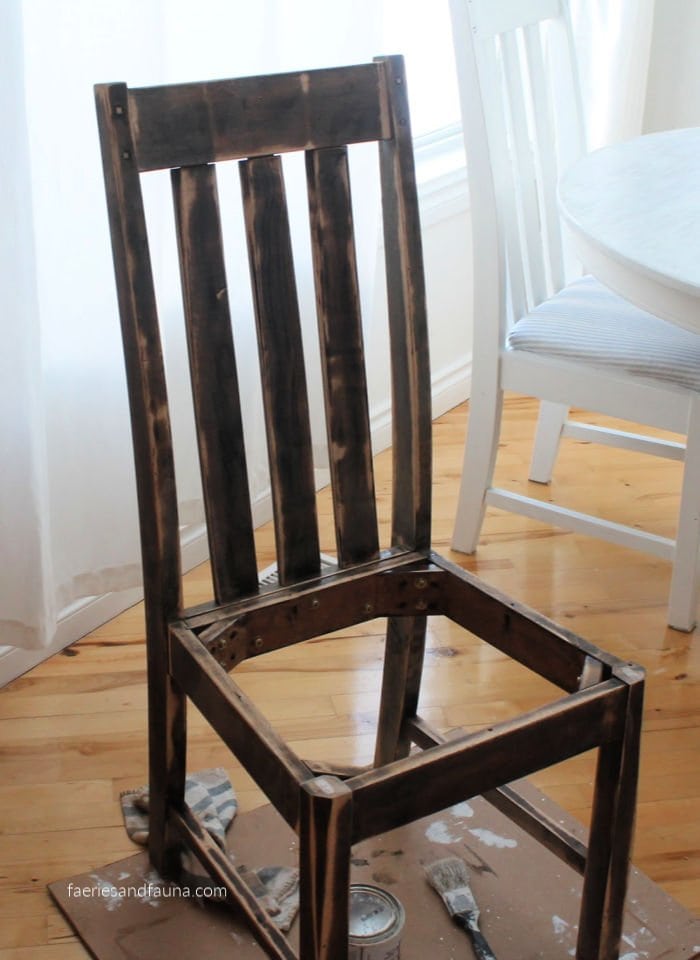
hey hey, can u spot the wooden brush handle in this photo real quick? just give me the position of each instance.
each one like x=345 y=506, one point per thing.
x=481 y=946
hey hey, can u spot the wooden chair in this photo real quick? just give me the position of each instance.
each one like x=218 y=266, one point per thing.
x=535 y=331
x=188 y=129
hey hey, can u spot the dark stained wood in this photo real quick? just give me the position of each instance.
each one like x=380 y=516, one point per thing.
x=625 y=809
x=207 y=618
x=214 y=383
x=193 y=123
x=324 y=860
x=612 y=824
x=153 y=455
x=272 y=764
x=282 y=368
x=451 y=772
x=145 y=372
x=410 y=364
x=403 y=667
x=273 y=623
x=342 y=354
x=600 y=849
x=190 y=651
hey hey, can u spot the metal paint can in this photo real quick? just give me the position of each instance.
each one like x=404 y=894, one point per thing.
x=376 y=921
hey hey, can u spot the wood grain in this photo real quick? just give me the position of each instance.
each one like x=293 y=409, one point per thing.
x=153 y=455
x=226 y=119
x=408 y=326
x=281 y=367
x=215 y=391
x=342 y=354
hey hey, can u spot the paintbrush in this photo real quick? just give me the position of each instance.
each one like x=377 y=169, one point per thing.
x=450 y=879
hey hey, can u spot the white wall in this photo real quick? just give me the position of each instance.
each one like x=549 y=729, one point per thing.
x=673 y=88
x=447 y=251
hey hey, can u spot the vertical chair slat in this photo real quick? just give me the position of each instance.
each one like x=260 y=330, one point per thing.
x=527 y=186
x=282 y=368
x=544 y=138
x=494 y=91
x=487 y=107
x=340 y=329
x=410 y=364
x=214 y=383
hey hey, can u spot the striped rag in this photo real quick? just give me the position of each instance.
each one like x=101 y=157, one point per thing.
x=210 y=795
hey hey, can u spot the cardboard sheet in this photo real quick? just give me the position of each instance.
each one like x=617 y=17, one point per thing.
x=529 y=899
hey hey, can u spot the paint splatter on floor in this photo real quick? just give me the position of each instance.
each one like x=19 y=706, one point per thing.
x=492 y=839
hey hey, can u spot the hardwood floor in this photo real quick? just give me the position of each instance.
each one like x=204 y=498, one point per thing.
x=72 y=731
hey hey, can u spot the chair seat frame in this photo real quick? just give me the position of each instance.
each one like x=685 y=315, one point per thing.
x=332 y=808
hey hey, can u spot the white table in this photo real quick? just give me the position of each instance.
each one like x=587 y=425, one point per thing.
x=633 y=211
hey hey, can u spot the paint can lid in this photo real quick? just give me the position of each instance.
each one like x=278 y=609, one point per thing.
x=374 y=913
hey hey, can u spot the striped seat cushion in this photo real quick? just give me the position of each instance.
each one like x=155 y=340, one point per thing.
x=591 y=324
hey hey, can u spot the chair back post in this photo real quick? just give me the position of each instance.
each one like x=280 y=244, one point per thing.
x=154 y=462
x=408 y=327
x=143 y=354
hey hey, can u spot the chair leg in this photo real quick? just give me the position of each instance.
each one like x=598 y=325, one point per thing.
x=624 y=814
x=684 y=580
x=167 y=739
x=611 y=833
x=485 y=408
x=325 y=831
x=550 y=424
x=403 y=666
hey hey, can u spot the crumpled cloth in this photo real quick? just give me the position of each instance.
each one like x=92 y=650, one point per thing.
x=210 y=795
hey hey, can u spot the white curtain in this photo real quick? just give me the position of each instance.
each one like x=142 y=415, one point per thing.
x=68 y=523
x=24 y=527
x=613 y=40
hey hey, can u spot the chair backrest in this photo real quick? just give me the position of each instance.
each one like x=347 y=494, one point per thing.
x=522 y=120
x=189 y=128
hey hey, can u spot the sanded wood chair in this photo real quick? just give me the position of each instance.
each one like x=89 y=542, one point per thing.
x=187 y=129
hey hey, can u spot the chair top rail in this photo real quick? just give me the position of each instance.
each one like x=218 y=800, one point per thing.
x=192 y=123
x=490 y=19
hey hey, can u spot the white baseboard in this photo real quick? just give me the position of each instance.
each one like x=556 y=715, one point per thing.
x=450 y=387
x=89 y=613
x=82 y=617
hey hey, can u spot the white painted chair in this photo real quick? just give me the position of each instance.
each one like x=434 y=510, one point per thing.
x=569 y=343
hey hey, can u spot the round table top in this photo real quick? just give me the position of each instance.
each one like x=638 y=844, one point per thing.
x=633 y=210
